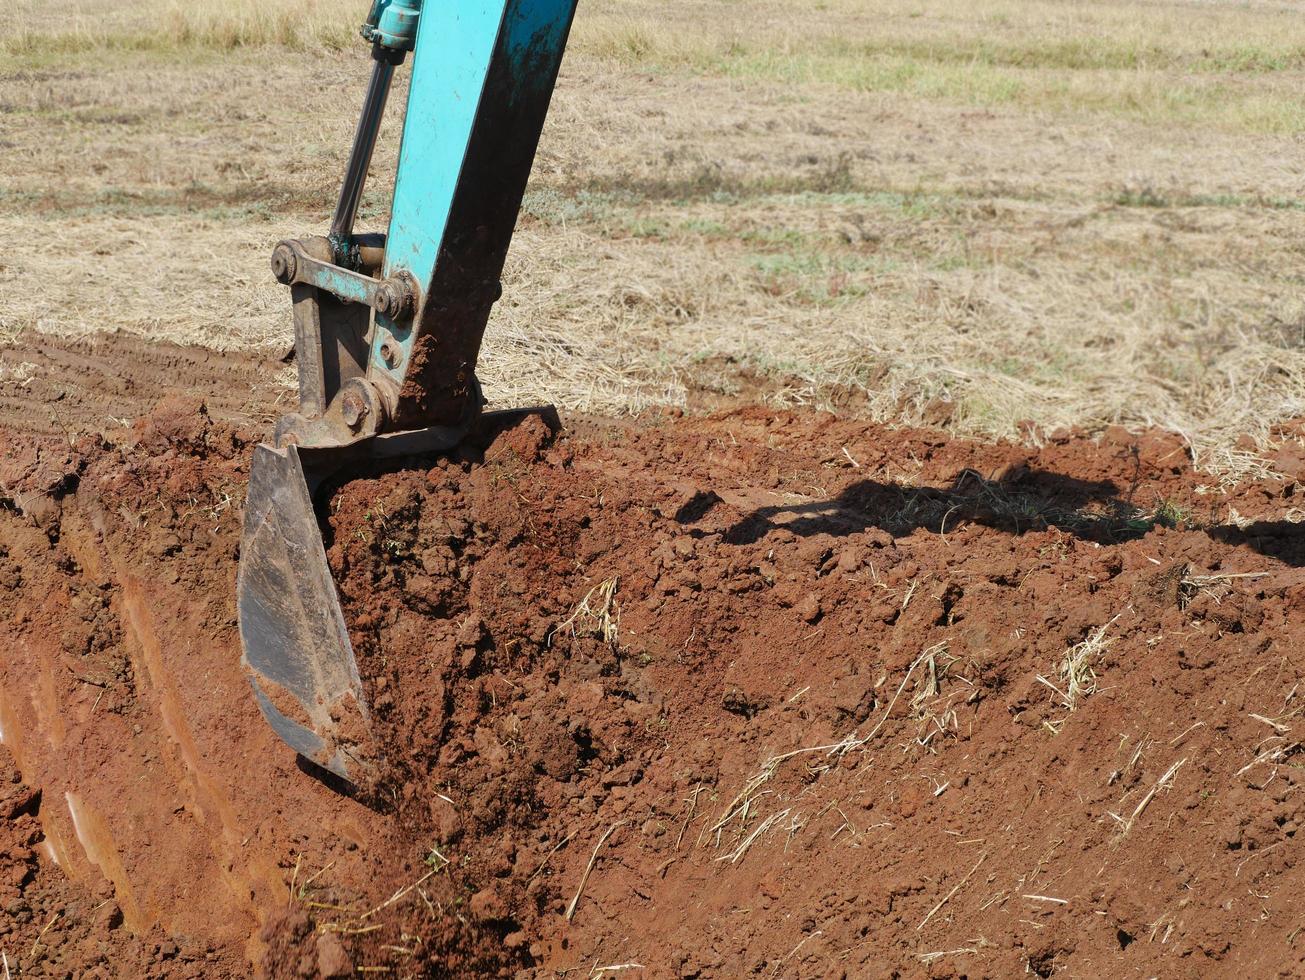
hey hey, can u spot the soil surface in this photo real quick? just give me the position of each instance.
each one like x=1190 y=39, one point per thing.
x=62 y=385
x=755 y=694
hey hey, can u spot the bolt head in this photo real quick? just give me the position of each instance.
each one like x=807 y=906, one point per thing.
x=390 y=352
x=353 y=409
x=283 y=264
x=394 y=298
x=386 y=301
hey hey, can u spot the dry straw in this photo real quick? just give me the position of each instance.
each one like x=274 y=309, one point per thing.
x=1103 y=246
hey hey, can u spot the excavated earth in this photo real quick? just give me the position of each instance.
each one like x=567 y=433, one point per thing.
x=756 y=694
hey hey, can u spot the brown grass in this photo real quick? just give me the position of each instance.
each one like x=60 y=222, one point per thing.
x=1072 y=213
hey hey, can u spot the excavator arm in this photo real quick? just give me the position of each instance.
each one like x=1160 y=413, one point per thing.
x=388 y=330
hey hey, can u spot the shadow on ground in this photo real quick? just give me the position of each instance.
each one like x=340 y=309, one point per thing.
x=1036 y=500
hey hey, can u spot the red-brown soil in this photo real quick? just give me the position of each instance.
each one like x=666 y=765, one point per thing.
x=774 y=695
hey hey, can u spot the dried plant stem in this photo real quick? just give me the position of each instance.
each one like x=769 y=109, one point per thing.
x=948 y=897
x=584 y=878
x=1160 y=784
x=399 y=894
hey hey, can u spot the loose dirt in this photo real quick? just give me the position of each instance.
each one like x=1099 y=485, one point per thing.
x=751 y=694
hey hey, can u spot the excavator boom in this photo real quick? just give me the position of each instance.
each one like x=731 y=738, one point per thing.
x=388 y=330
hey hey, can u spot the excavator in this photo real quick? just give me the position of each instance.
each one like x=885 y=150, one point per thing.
x=387 y=330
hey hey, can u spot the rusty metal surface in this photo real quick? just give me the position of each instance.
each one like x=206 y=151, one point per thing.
x=330 y=334
x=296 y=647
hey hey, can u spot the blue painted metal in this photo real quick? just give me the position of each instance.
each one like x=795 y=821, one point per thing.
x=350 y=286
x=442 y=100
x=483 y=73
x=393 y=23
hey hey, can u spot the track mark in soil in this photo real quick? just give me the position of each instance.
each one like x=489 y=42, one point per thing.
x=103 y=380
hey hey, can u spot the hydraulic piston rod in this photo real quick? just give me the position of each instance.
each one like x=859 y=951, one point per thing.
x=360 y=157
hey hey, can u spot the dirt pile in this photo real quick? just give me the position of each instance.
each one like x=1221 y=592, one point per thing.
x=745 y=695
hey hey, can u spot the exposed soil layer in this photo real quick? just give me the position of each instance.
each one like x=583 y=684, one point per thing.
x=56 y=926
x=755 y=694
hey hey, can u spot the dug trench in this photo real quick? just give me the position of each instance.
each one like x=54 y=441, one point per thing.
x=755 y=694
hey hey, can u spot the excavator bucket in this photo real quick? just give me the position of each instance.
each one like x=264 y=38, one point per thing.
x=296 y=647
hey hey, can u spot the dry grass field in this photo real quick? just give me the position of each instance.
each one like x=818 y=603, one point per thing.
x=971 y=213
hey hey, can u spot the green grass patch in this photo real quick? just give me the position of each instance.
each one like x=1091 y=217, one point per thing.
x=551 y=206
x=817 y=278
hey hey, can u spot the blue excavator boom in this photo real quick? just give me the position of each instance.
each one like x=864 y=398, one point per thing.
x=388 y=330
